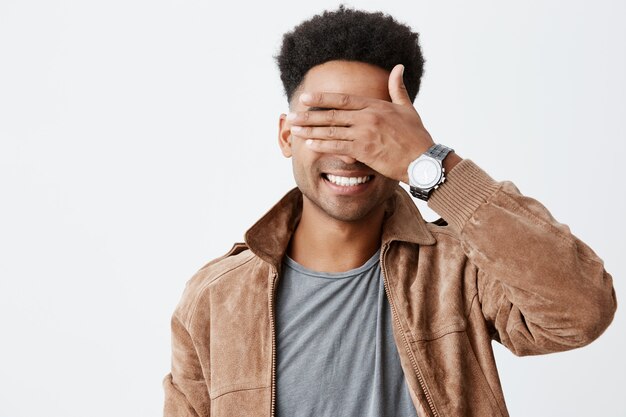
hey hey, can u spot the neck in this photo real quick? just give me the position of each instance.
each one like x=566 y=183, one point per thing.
x=325 y=244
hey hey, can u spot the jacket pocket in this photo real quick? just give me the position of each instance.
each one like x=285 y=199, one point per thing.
x=250 y=402
x=439 y=328
x=239 y=333
x=454 y=377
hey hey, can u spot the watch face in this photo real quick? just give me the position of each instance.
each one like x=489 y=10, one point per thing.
x=425 y=173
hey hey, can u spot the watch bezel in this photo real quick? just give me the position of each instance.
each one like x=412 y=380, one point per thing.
x=414 y=181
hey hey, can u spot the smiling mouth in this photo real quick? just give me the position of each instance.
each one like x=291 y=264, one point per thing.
x=347 y=181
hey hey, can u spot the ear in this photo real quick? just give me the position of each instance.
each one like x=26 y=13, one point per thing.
x=284 y=135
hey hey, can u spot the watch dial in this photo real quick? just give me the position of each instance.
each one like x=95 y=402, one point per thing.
x=426 y=173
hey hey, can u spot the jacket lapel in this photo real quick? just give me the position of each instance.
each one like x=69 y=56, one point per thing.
x=269 y=237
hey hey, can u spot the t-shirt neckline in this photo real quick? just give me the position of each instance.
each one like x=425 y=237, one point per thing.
x=370 y=263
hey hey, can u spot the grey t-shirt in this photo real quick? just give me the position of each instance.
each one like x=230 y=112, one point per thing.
x=336 y=355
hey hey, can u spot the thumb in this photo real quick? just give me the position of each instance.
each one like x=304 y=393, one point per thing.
x=397 y=90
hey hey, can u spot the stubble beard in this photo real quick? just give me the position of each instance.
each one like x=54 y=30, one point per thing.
x=354 y=209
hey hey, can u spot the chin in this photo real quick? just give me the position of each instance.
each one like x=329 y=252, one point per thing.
x=345 y=208
x=345 y=213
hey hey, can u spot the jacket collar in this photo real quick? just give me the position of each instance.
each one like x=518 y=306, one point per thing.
x=269 y=237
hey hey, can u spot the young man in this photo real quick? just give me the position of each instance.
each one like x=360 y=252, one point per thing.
x=343 y=301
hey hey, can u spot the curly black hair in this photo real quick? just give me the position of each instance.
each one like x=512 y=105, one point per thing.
x=354 y=35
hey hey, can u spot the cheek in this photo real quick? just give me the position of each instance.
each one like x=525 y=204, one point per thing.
x=304 y=171
x=304 y=158
x=300 y=170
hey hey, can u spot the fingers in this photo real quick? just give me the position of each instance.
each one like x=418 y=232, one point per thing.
x=329 y=139
x=325 y=132
x=338 y=147
x=322 y=118
x=334 y=100
x=397 y=89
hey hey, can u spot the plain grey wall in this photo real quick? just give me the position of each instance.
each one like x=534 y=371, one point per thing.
x=138 y=140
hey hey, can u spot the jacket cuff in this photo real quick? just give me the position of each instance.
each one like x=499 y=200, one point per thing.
x=466 y=187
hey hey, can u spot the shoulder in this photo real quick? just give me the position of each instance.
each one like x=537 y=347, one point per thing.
x=449 y=246
x=197 y=287
x=236 y=257
x=443 y=233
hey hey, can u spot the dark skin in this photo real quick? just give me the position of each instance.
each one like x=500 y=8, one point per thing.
x=371 y=129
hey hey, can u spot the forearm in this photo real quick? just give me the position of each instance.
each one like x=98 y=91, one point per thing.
x=540 y=287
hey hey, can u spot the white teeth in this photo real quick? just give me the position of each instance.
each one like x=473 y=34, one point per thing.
x=347 y=181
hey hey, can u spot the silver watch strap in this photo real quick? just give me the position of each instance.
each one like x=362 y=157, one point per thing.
x=438 y=151
x=420 y=193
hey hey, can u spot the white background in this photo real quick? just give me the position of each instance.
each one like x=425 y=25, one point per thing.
x=138 y=140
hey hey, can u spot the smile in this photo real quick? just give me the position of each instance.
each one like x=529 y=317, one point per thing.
x=347 y=181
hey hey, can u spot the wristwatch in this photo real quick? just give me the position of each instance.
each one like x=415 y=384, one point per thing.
x=427 y=171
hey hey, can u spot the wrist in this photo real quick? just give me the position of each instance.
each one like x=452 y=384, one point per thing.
x=450 y=161
x=466 y=188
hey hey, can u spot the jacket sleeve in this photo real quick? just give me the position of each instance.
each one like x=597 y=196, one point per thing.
x=541 y=289
x=186 y=392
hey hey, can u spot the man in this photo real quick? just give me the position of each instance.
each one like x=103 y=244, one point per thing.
x=343 y=301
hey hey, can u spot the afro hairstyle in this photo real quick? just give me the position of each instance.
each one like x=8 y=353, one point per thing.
x=353 y=35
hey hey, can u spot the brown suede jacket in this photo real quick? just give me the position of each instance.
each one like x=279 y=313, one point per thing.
x=497 y=266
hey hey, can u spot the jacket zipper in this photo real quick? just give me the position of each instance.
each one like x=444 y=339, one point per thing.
x=406 y=343
x=396 y=319
x=272 y=326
